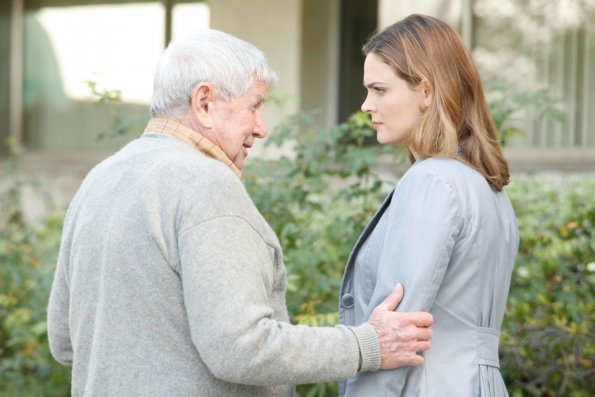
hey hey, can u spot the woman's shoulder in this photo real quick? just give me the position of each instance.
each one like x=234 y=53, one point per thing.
x=449 y=170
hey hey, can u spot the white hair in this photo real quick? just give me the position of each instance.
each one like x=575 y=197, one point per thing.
x=210 y=56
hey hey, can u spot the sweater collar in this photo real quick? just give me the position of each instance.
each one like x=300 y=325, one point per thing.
x=175 y=129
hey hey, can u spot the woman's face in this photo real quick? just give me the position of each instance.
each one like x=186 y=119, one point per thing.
x=395 y=107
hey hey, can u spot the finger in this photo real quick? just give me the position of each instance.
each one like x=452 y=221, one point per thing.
x=401 y=360
x=416 y=360
x=419 y=319
x=423 y=346
x=393 y=299
x=422 y=319
x=424 y=334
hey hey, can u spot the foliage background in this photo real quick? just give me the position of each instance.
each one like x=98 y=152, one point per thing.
x=318 y=201
x=27 y=259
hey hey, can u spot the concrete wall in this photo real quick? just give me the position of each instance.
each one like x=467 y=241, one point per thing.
x=275 y=28
x=320 y=41
x=390 y=11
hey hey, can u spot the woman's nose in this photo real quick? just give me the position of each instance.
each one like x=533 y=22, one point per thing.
x=367 y=106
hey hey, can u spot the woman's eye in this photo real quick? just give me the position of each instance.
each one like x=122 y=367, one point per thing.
x=379 y=90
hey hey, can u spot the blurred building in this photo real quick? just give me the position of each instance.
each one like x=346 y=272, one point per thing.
x=58 y=57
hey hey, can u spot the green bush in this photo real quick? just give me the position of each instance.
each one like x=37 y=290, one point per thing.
x=27 y=260
x=318 y=202
x=547 y=342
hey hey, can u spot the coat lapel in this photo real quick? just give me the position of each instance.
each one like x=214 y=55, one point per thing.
x=346 y=283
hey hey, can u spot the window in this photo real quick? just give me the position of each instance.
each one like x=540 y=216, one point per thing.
x=115 y=45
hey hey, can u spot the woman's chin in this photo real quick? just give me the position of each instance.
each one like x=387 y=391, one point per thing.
x=383 y=140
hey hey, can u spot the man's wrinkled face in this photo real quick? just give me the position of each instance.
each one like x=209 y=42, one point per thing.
x=238 y=122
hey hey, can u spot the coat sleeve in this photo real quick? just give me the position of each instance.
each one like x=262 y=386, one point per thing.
x=58 y=316
x=423 y=223
x=233 y=303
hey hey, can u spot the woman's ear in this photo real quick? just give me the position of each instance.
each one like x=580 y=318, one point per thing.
x=427 y=93
x=201 y=103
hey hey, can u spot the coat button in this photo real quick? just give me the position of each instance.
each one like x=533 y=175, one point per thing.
x=347 y=301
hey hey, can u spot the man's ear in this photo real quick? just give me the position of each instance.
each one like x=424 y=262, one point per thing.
x=201 y=103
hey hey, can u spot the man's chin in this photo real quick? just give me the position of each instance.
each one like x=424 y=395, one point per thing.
x=239 y=162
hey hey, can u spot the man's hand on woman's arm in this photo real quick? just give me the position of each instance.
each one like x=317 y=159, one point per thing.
x=401 y=335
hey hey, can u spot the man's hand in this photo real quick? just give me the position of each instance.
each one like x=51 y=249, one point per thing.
x=401 y=335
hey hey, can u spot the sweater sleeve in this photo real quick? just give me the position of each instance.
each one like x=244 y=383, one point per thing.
x=228 y=275
x=58 y=317
x=423 y=223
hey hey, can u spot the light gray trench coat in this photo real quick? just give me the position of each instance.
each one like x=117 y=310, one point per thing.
x=451 y=240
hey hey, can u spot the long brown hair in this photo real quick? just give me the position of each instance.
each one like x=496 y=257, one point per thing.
x=457 y=123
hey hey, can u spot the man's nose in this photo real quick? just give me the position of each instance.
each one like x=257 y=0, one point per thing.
x=260 y=129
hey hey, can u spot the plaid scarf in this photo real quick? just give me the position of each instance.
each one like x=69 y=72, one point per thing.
x=163 y=126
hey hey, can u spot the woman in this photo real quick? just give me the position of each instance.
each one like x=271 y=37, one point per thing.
x=447 y=231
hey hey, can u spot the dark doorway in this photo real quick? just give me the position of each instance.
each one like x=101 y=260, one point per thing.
x=359 y=20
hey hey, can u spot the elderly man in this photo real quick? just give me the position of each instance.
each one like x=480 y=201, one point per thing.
x=169 y=281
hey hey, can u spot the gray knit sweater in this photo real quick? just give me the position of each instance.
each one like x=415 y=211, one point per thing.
x=170 y=283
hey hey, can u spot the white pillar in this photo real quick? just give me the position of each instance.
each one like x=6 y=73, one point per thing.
x=16 y=70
